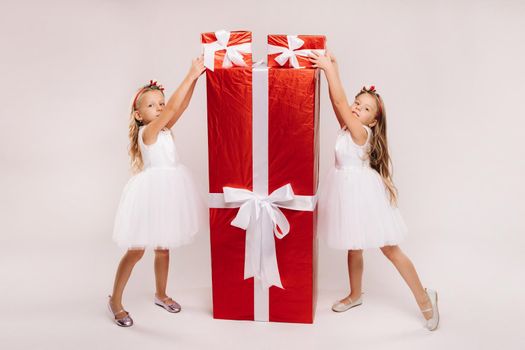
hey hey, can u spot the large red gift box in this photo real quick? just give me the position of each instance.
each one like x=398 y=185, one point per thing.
x=263 y=145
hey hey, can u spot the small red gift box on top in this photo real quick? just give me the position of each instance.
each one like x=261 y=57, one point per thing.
x=227 y=49
x=263 y=142
x=291 y=51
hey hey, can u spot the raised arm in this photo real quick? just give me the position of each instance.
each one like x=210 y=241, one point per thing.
x=178 y=101
x=184 y=104
x=337 y=113
x=338 y=98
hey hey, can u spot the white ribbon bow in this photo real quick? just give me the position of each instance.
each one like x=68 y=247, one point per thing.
x=261 y=217
x=233 y=53
x=291 y=52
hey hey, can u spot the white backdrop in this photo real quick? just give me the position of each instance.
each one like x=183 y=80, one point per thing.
x=451 y=74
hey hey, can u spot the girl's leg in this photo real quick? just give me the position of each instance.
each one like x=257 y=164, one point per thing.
x=125 y=267
x=409 y=274
x=162 y=261
x=355 y=275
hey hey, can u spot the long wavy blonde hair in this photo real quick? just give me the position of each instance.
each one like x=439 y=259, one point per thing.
x=378 y=152
x=136 y=162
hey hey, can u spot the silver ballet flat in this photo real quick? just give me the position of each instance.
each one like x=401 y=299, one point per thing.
x=341 y=307
x=433 y=322
x=125 y=321
x=173 y=308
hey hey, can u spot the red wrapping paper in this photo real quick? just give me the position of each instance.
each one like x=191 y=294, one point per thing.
x=236 y=38
x=312 y=42
x=229 y=95
x=292 y=158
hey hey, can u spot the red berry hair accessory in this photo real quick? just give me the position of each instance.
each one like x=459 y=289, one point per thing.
x=372 y=88
x=154 y=84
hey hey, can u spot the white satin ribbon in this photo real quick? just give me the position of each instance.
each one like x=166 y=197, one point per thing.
x=233 y=54
x=261 y=217
x=292 y=51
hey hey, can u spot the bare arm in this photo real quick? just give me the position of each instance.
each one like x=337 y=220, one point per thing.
x=177 y=103
x=185 y=103
x=338 y=97
x=337 y=114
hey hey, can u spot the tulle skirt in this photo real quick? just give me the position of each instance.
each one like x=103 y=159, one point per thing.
x=159 y=208
x=354 y=211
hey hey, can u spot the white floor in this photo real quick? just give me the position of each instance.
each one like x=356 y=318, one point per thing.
x=56 y=299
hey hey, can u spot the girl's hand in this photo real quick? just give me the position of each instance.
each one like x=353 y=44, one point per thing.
x=325 y=62
x=197 y=67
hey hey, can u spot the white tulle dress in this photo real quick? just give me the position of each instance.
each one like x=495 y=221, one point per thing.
x=160 y=206
x=354 y=210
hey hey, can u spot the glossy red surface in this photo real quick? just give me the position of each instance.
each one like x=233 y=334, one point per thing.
x=236 y=38
x=310 y=42
x=292 y=152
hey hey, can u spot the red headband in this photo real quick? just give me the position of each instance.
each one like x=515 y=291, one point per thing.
x=152 y=84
